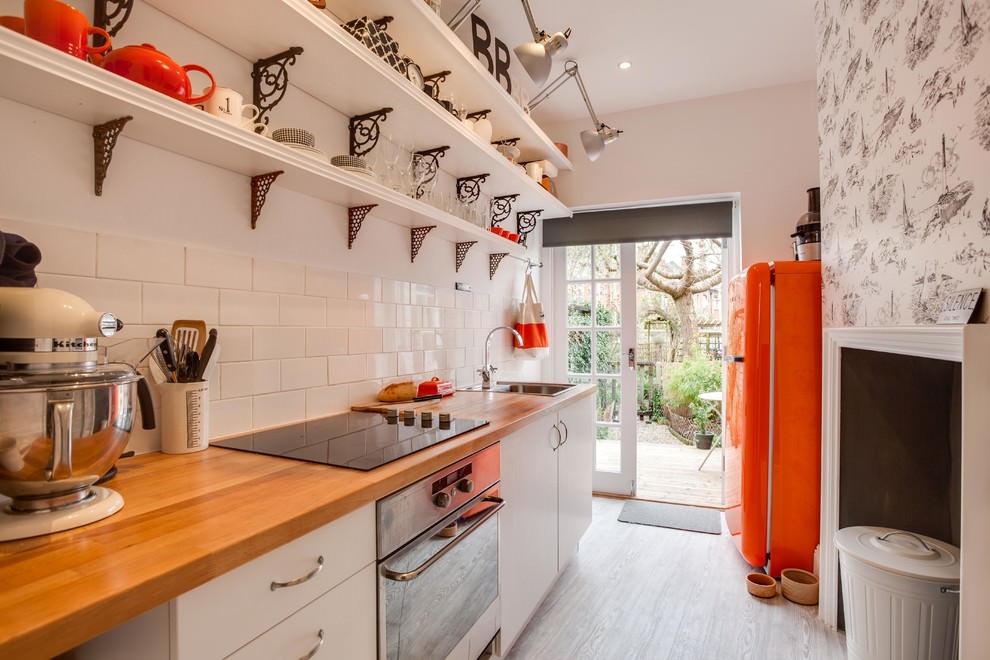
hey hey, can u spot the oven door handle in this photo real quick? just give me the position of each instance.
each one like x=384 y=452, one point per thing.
x=419 y=570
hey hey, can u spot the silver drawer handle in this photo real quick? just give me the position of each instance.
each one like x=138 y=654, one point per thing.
x=566 y=431
x=559 y=439
x=298 y=581
x=313 y=651
x=416 y=572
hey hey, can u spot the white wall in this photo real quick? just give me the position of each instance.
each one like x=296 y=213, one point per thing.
x=309 y=327
x=760 y=143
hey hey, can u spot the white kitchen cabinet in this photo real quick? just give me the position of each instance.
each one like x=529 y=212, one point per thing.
x=546 y=483
x=340 y=624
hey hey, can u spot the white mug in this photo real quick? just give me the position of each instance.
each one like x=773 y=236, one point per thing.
x=257 y=128
x=483 y=127
x=535 y=170
x=229 y=106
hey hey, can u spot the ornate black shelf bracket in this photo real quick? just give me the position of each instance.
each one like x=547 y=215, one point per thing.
x=365 y=131
x=526 y=223
x=469 y=187
x=462 y=250
x=436 y=78
x=260 y=185
x=494 y=259
x=502 y=208
x=111 y=16
x=418 y=234
x=507 y=141
x=355 y=216
x=271 y=79
x=104 y=140
x=480 y=114
x=430 y=160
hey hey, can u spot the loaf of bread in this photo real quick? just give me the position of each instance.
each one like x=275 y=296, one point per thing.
x=398 y=392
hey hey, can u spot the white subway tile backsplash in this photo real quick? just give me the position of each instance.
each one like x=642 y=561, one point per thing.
x=302 y=310
x=230 y=416
x=472 y=319
x=301 y=373
x=481 y=301
x=446 y=297
x=63 y=251
x=164 y=303
x=218 y=269
x=424 y=340
x=346 y=368
x=234 y=344
x=276 y=409
x=455 y=358
x=347 y=313
x=144 y=261
x=394 y=291
x=364 y=287
x=433 y=360
x=408 y=316
x=279 y=277
x=249 y=378
x=364 y=340
x=248 y=308
x=361 y=393
x=432 y=317
x=326 y=283
x=326 y=341
x=465 y=299
x=453 y=318
x=381 y=365
x=409 y=362
x=466 y=376
x=274 y=343
x=423 y=294
x=120 y=297
x=465 y=338
x=396 y=339
x=382 y=315
x=322 y=401
x=447 y=338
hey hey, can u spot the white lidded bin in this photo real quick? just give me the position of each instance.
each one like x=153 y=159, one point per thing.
x=899 y=594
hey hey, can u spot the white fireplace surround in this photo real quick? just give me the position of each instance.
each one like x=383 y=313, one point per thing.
x=969 y=345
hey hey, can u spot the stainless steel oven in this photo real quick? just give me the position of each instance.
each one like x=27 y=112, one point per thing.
x=438 y=558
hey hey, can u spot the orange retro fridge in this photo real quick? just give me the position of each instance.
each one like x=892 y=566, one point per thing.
x=773 y=413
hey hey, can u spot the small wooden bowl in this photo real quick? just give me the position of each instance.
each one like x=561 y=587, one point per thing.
x=799 y=586
x=761 y=585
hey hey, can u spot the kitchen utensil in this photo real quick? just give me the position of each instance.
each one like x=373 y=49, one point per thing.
x=189 y=333
x=62 y=26
x=64 y=419
x=15 y=23
x=148 y=66
x=207 y=355
x=799 y=586
x=761 y=585
x=167 y=351
x=228 y=105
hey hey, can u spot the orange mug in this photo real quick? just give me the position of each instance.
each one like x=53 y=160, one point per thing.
x=63 y=27
x=15 y=23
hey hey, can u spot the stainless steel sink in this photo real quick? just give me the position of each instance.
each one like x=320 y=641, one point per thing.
x=539 y=389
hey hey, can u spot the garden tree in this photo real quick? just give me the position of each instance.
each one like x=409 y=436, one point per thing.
x=699 y=269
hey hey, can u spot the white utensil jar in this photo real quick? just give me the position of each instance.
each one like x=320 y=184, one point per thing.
x=185 y=417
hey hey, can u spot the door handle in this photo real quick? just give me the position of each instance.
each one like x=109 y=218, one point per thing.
x=306 y=578
x=559 y=439
x=632 y=358
x=566 y=432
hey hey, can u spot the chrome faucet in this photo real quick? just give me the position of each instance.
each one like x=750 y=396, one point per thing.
x=488 y=370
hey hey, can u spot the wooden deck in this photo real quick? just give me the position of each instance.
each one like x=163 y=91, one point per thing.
x=669 y=472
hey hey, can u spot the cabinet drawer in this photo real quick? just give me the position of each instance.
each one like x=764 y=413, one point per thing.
x=226 y=613
x=346 y=615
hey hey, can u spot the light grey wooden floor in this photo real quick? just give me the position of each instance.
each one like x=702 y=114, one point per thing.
x=636 y=591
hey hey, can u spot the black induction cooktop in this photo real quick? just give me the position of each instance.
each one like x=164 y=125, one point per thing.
x=358 y=440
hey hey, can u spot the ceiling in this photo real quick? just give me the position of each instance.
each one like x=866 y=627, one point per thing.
x=679 y=49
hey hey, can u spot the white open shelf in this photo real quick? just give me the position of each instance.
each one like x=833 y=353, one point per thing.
x=42 y=77
x=338 y=70
x=424 y=37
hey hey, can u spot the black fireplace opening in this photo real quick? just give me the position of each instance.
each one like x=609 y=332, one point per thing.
x=900 y=440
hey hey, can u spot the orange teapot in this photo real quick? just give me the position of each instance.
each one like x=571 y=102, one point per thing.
x=148 y=66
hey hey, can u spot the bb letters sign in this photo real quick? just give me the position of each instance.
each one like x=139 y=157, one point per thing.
x=494 y=55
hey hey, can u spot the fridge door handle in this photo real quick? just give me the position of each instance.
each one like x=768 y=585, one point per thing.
x=733 y=358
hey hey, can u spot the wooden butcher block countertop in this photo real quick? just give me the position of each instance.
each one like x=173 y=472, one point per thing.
x=189 y=518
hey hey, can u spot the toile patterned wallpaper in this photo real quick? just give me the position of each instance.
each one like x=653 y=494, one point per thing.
x=904 y=130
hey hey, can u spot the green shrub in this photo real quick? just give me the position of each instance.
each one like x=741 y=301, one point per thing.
x=690 y=378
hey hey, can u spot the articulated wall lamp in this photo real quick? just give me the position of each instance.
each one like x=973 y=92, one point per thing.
x=594 y=141
x=536 y=56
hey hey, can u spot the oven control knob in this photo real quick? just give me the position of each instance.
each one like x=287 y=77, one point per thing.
x=465 y=485
x=442 y=499
x=426 y=418
x=408 y=417
x=445 y=418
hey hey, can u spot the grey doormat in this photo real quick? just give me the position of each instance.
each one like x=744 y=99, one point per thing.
x=677 y=516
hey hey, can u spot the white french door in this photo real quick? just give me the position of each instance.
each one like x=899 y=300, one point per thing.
x=596 y=319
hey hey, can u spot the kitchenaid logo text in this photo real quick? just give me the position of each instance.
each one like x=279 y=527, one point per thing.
x=497 y=62
x=74 y=344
